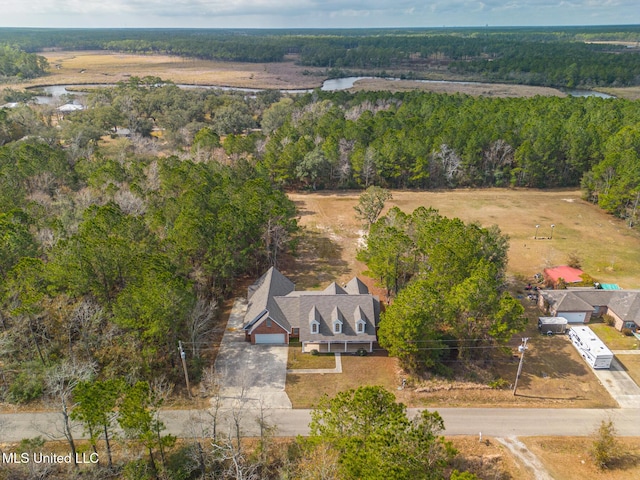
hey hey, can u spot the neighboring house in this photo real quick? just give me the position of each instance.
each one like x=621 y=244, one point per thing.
x=578 y=305
x=336 y=319
x=70 y=107
x=568 y=274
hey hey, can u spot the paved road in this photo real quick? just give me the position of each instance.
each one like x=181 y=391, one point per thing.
x=494 y=422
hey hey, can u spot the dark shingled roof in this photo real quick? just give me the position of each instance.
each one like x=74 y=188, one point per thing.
x=624 y=303
x=274 y=296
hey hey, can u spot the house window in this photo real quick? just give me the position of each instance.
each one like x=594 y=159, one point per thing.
x=337 y=327
x=314 y=328
x=360 y=327
x=268 y=323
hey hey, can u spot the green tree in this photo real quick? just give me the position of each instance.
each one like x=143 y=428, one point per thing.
x=96 y=409
x=138 y=417
x=371 y=203
x=605 y=446
x=15 y=240
x=375 y=439
x=449 y=279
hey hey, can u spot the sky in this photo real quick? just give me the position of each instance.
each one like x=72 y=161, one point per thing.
x=314 y=13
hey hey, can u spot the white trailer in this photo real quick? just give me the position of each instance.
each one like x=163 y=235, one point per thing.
x=590 y=347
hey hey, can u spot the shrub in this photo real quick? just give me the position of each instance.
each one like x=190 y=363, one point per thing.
x=499 y=384
x=627 y=332
x=605 y=445
x=314 y=352
x=26 y=386
x=609 y=320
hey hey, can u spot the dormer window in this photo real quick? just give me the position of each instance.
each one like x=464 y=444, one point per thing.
x=314 y=320
x=337 y=320
x=361 y=323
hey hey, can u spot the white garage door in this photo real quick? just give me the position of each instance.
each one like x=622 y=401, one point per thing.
x=573 y=317
x=274 y=338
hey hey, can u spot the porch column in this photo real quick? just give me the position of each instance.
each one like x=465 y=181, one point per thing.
x=329 y=347
x=345 y=347
x=370 y=347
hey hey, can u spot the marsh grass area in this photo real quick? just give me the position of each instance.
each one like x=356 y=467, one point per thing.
x=88 y=67
x=554 y=374
x=568 y=458
x=470 y=88
x=103 y=67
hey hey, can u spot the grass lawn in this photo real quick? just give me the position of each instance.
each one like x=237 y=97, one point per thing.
x=614 y=339
x=567 y=458
x=306 y=389
x=299 y=360
x=631 y=363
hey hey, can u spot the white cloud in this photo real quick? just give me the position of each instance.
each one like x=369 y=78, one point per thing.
x=305 y=13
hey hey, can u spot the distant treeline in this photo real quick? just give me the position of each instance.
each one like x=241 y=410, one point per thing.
x=542 y=56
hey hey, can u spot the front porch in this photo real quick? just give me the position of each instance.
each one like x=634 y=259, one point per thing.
x=337 y=346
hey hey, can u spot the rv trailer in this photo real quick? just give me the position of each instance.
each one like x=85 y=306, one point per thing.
x=590 y=347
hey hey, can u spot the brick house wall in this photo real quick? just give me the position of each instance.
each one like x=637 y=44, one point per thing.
x=264 y=327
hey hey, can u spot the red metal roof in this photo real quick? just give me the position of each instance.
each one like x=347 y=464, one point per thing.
x=568 y=274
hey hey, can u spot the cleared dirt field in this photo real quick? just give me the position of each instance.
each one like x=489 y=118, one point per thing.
x=608 y=249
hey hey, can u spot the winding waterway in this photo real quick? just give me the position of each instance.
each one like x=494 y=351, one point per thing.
x=55 y=92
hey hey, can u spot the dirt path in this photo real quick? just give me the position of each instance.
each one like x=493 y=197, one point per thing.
x=528 y=459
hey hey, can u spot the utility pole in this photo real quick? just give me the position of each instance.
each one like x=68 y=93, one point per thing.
x=522 y=348
x=183 y=357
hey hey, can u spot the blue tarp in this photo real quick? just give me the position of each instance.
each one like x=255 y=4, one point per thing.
x=609 y=286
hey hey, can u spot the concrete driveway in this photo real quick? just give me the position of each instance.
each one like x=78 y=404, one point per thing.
x=250 y=376
x=619 y=385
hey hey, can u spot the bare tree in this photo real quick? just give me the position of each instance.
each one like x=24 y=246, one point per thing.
x=275 y=238
x=60 y=383
x=368 y=166
x=130 y=203
x=234 y=463
x=200 y=323
x=450 y=162
x=267 y=429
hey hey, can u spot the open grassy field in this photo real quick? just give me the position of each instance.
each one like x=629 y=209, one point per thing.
x=608 y=249
x=567 y=458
